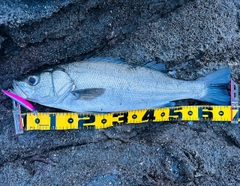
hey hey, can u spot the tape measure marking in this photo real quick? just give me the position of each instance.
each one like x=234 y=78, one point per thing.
x=67 y=121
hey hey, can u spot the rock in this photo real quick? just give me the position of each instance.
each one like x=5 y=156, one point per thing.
x=192 y=38
x=1 y=40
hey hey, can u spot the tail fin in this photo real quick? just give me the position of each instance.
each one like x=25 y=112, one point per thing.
x=216 y=85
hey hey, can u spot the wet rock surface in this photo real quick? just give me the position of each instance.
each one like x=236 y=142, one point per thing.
x=192 y=38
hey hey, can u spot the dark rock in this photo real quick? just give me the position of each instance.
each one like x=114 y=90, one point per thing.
x=1 y=40
x=192 y=38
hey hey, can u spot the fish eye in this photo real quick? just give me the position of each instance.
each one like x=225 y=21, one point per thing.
x=33 y=80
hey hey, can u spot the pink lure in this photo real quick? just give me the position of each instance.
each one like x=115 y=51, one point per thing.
x=20 y=100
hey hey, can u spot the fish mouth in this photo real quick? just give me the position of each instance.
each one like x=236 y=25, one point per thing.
x=17 y=90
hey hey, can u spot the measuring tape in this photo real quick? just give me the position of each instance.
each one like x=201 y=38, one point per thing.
x=68 y=120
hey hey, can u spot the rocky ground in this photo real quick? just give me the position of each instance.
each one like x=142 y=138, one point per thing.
x=191 y=37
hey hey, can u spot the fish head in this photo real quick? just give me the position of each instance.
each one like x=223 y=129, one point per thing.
x=46 y=88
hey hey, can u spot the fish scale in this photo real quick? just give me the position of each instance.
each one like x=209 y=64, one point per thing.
x=136 y=88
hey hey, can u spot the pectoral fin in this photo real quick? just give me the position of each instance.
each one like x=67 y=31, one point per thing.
x=88 y=93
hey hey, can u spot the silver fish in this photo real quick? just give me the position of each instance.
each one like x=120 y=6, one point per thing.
x=107 y=85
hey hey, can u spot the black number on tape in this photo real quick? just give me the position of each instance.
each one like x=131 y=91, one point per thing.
x=205 y=113
x=149 y=115
x=52 y=121
x=175 y=113
x=85 y=119
x=122 y=118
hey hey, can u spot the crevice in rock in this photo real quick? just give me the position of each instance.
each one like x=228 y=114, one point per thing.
x=18 y=157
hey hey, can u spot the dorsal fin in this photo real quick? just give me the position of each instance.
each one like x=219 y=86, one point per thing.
x=152 y=64
x=108 y=59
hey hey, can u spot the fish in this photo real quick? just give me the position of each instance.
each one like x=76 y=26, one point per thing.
x=20 y=100
x=108 y=85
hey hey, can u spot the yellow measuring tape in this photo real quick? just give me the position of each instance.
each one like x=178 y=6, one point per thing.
x=67 y=121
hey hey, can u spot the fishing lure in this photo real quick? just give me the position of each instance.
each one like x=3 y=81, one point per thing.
x=20 y=100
